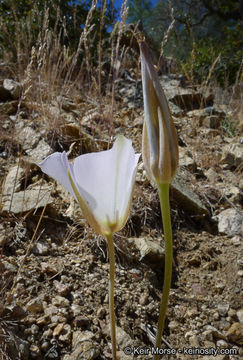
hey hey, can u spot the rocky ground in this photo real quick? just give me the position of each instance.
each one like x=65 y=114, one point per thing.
x=54 y=268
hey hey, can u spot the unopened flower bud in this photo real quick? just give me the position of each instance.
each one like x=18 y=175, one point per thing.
x=160 y=145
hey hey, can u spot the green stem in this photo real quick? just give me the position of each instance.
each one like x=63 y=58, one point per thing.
x=165 y=211
x=111 y=294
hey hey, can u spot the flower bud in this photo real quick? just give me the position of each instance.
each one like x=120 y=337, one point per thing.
x=160 y=145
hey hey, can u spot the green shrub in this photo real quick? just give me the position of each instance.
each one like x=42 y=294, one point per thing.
x=228 y=50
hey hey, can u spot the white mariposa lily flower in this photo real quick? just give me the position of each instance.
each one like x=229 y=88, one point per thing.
x=102 y=182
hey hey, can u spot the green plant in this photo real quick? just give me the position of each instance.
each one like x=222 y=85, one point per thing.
x=228 y=126
x=160 y=157
x=221 y=59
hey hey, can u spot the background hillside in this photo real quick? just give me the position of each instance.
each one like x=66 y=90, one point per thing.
x=70 y=80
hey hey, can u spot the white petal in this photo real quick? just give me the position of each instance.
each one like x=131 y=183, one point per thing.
x=107 y=177
x=56 y=166
x=125 y=175
x=101 y=182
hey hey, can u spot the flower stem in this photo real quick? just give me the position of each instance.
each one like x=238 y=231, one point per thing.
x=165 y=211
x=111 y=294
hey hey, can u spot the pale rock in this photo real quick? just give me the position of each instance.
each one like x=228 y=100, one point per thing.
x=50 y=310
x=48 y=267
x=34 y=329
x=122 y=338
x=235 y=333
x=41 y=248
x=215 y=332
x=35 y=351
x=101 y=312
x=194 y=341
x=223 y=309
x=87 y=350
x=8 y=266
x=54 y=110
x=230 y=222
x=65 y=333
x=138 y=121
x=236 y=240
x=239 y=314
x=186 y=98
x=232 y=155
x=27 y=200
x=209 y=344
x=141 y=177
x=200 y=113
x=62 y=289
x=23 y=348
x=189 y=99
x=173 y=325
x=143 y=299
x=83 y=347
x=44 y=320
x=232 y=192
x=45 y=346
x=222 y=344
x=19 y=125
x=188 y=334
x=40 y=152
x=150 y=251
x=207 y=335
x=175 y=110
x=186 y=159
x=58 y=329
x=76 y=310
x=198 y=289
x=211 y=175
x=73 y=211
x=191 y=312
x=232 y=313
x=60 y=301
x=13 y=87
x=13 y=118
x=81 y=336
x=3 y=237
x=186 y=198
x=13 y=180
x=28 y=138
x=180 y=99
